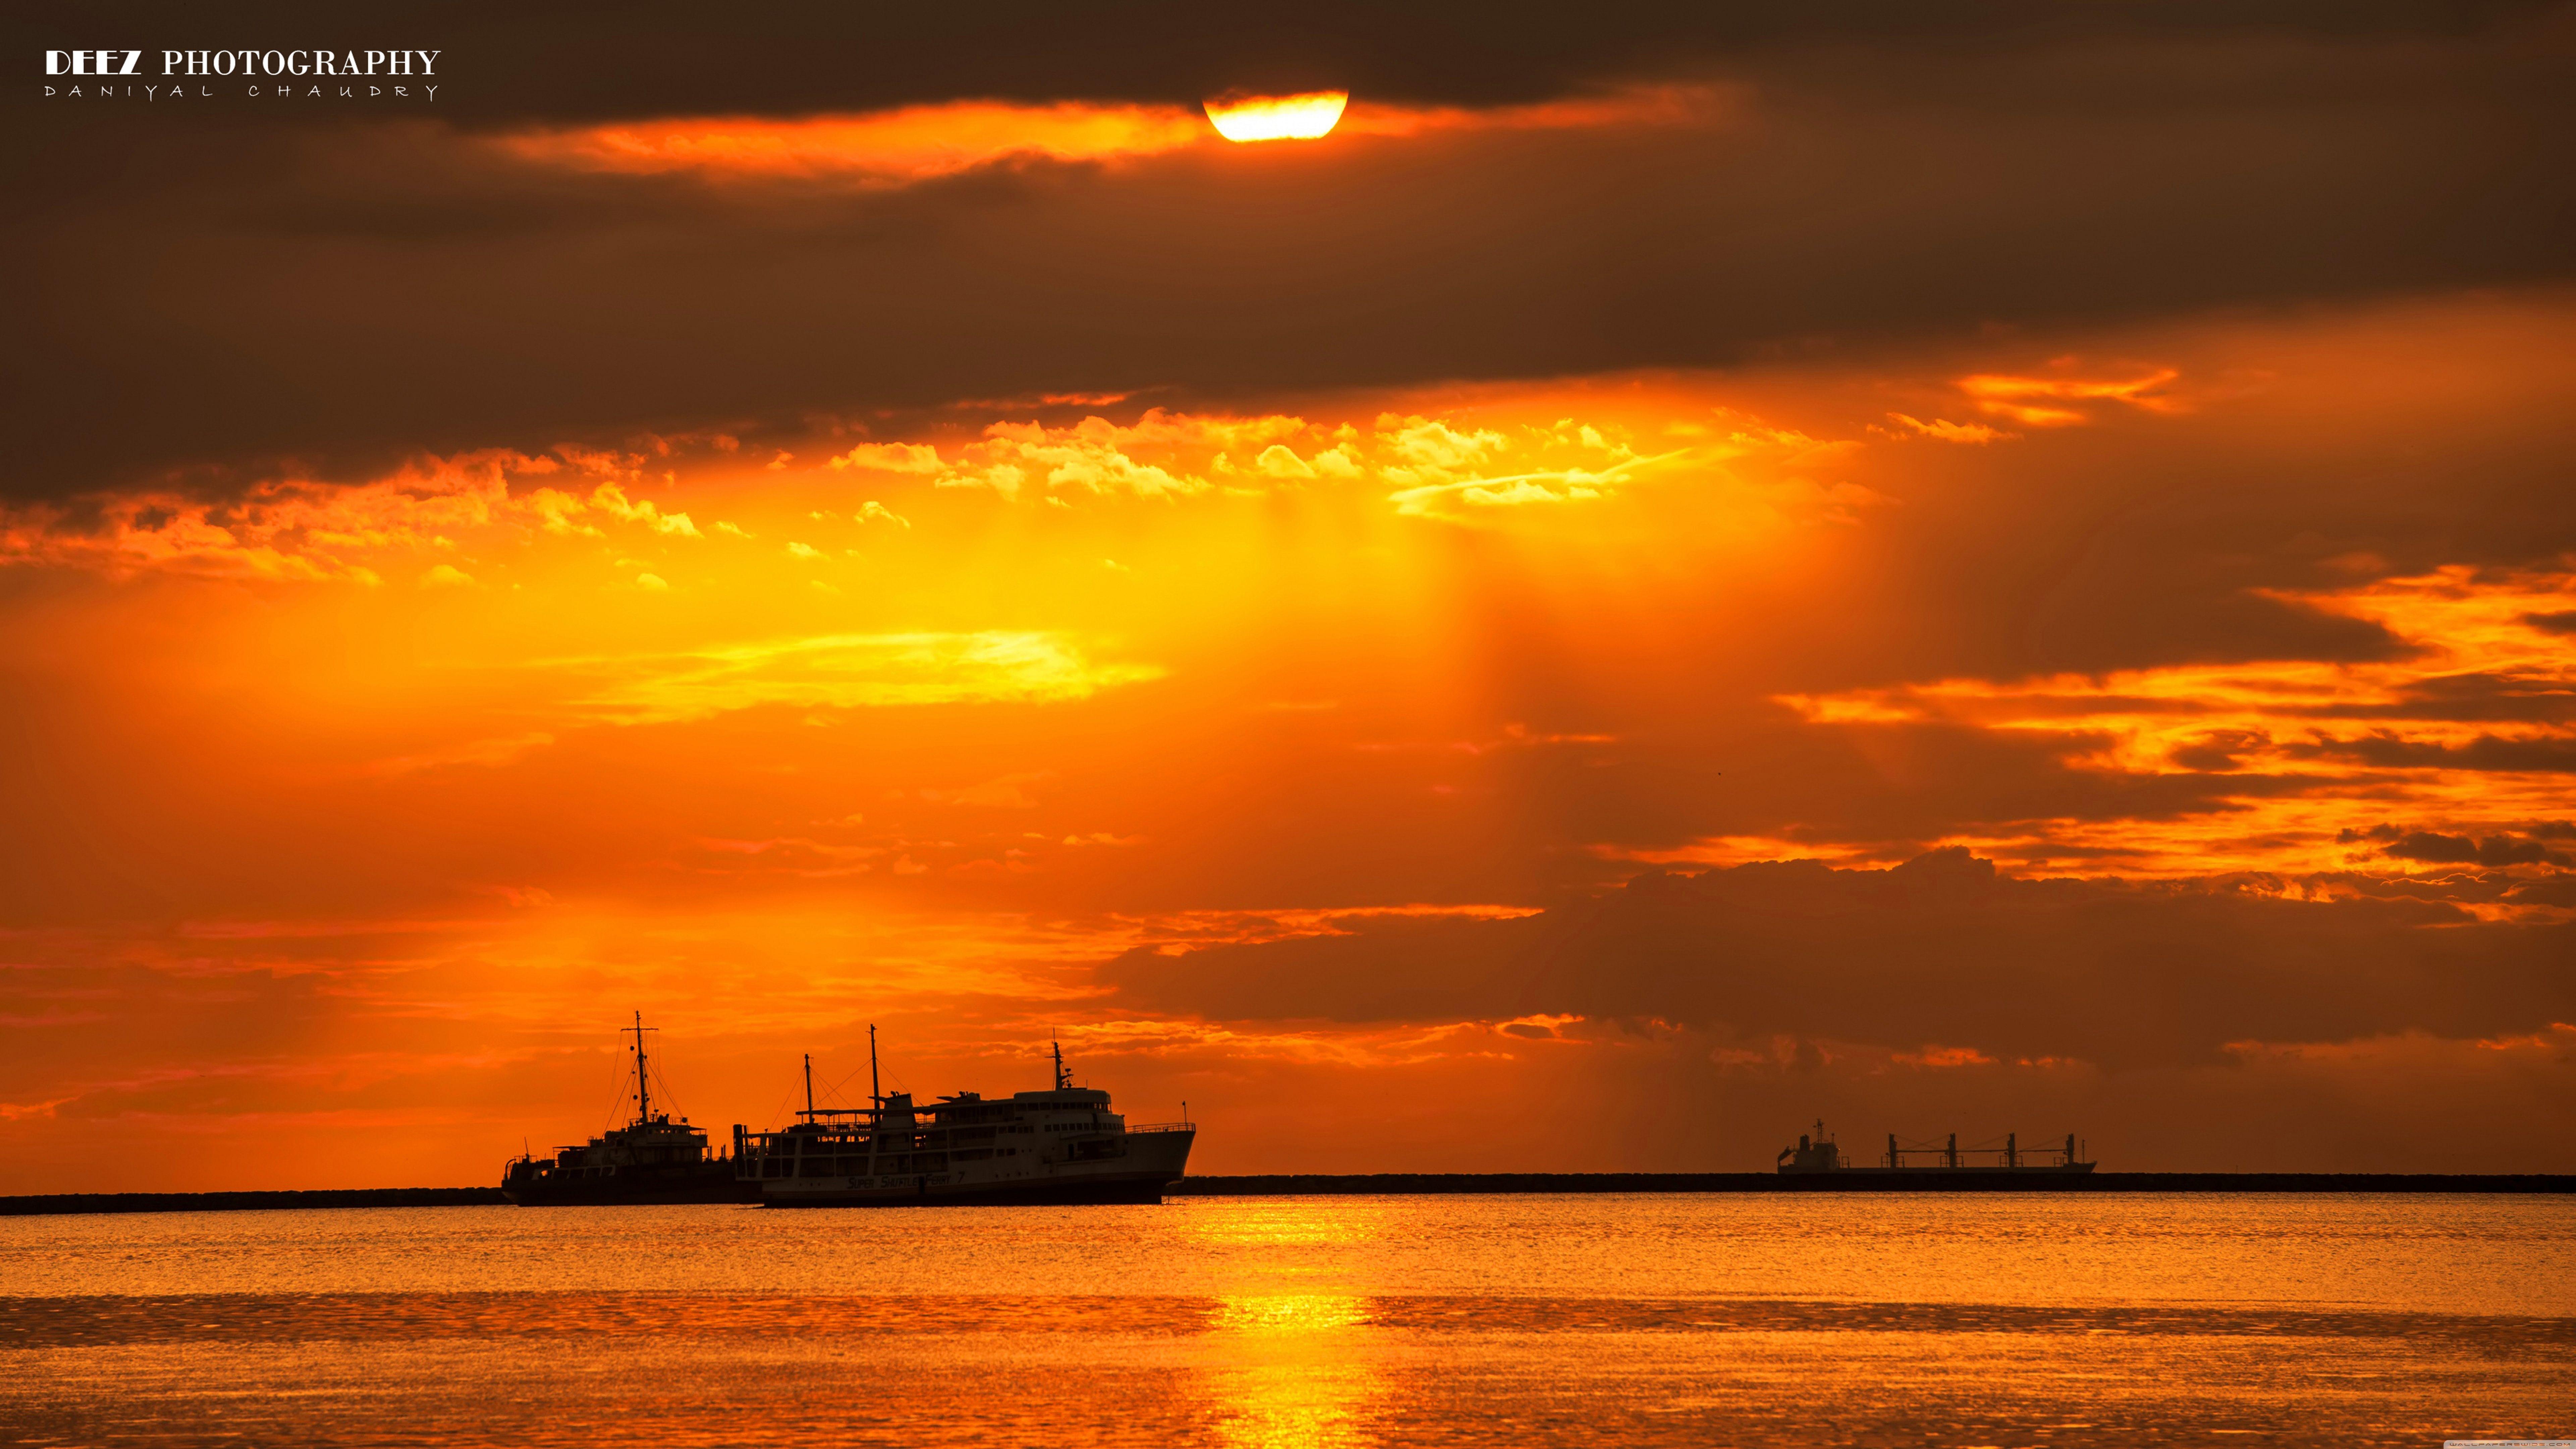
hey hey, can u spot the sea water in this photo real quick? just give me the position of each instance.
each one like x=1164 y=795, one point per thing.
x=2020 y=1319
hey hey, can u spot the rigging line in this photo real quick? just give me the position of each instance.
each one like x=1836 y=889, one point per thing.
x=779 y=1113
x=672 y=1097
x=834 y=1090
x=610 y=1115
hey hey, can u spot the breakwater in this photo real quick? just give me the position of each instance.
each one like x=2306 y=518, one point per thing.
x=1346 y=1184
x=1365 y=1184
x=217 y=1202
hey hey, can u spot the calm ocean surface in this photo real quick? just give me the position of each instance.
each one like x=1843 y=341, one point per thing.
x=1703 y=1320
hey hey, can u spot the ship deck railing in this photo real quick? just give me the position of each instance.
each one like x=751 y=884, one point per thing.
x=1163 y=1127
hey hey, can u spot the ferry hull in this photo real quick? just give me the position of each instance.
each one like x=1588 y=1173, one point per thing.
x=1145 y=1164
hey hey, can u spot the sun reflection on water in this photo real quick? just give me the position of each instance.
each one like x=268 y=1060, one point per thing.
x=1294 y=1223
x=1294 y=1314
x=1297 y=1375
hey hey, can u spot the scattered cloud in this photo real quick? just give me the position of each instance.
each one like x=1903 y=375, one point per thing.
x=2470 y=726
x=2061 y=400
x=842 y=671
x=292 y=529
x=1942 y=961
x=891 y=458
x=611 y=499
x=1950 y=432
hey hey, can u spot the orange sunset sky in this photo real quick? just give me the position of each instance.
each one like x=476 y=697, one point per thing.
x=2007 y=572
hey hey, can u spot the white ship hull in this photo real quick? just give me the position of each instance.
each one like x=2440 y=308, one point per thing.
x=1150 y=1162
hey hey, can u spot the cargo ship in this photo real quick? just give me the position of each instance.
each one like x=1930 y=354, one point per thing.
x=652 y=1159
x=1061 y=1145
x=1819 y=1153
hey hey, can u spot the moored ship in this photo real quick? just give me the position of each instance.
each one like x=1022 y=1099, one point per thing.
x=1061 y=1145
x=651 y=1159
x=1820 y=1153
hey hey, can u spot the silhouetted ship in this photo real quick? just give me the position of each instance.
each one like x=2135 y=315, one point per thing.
x=649 y=1160
x=1819 y=1153
x=1062 y=1145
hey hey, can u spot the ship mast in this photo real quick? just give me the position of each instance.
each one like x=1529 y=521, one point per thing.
x=876 y=1095
x=643 y=1085
x=809 y=1086
x=1063 y=1078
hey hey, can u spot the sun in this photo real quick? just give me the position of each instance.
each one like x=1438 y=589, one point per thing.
x=1301 y=117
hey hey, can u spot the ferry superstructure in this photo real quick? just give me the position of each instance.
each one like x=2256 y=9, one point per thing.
x=1820 y=1153
x=1061 y=1145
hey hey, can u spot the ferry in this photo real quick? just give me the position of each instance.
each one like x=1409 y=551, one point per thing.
x=652 y=1159
x=1061 y=1145
x=1820 y=1153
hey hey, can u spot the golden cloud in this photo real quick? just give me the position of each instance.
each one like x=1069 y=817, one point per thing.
x=1950 y=432
x=309 y=530
x=886 y=148
x=472 y=515
x=918 y=143
x=2470 y=731
x=842 y=671
x=2050 y=402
